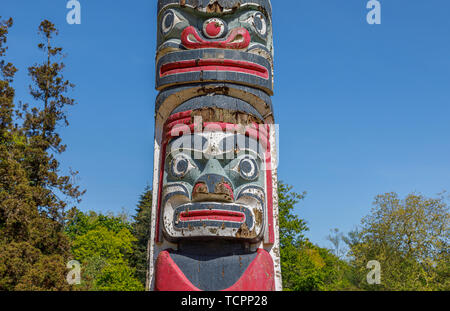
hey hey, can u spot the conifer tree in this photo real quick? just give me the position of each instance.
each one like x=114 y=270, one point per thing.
x=141 y=231
x=34 y=194
x=49 y=90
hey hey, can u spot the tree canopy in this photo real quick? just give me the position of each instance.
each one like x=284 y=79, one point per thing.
x=103 y=245
x=33 y=192
x=409 y=238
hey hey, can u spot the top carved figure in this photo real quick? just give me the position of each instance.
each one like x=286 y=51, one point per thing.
x=215 y=41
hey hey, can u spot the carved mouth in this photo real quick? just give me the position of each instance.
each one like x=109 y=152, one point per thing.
x=218 y=215
x=212 y=214
x=184 y=218
x=196 y=65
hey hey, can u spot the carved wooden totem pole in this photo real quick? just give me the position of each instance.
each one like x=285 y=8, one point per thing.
x=215 y=209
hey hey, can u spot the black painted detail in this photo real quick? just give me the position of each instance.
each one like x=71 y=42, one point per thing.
x=248 y=168
x=179 y=166
x=167 y=22
x=212 y=266
x=218 y=101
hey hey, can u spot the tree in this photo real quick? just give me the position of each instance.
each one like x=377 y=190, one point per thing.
x=33 y=194
x=141 y=231
x=410 y=239
x=337 y=238
x=103 y=244
x=49 y=90
x=292 y=230
x=305 y=266
x=317 y=269
x=7 y=72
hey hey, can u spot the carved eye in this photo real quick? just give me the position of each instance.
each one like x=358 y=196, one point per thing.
x=168 y=22
x=180 y=166
x=248 y=169
x=214 y=28
x=260 y=24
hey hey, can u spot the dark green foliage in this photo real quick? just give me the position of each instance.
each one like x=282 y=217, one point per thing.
x=141 y=231
x=33 y=193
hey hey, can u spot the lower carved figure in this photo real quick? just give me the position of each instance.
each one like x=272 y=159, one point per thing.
x=215 y=200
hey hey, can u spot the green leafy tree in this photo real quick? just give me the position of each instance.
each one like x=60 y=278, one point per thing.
x=337 y=239
x=318 y=269
x=292 y=230
x=409 y=238
x=141 y=231
x=103 y=245
x=305 y=266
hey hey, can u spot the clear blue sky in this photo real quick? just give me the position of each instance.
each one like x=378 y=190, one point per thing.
x=362 y=109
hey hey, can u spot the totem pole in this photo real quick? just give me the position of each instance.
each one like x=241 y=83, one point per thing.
x=215 y=210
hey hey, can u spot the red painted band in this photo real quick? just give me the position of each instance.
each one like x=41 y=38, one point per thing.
x=213 y=215
x=158 y=212
x=196 y=65
x=269 y=183
x=179 y=115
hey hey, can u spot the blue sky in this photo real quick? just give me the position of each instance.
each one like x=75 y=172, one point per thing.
x=363 y=109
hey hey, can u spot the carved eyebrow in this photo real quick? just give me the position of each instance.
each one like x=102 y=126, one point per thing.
x=191 y=142
x=243 y=142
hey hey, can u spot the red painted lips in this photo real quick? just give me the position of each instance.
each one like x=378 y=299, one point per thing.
x=219 y=215
x=196 y=65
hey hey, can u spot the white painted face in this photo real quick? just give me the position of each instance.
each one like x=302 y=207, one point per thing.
x=214 y=187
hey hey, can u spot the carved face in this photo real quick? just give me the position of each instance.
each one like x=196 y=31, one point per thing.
x=199 y=45
x=214 y=185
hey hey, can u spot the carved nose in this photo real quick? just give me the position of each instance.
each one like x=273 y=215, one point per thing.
x=238 y=38
x=213 y=187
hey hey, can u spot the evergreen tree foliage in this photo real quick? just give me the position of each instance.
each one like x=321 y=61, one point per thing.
x=33 y=193
x=141 y=231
